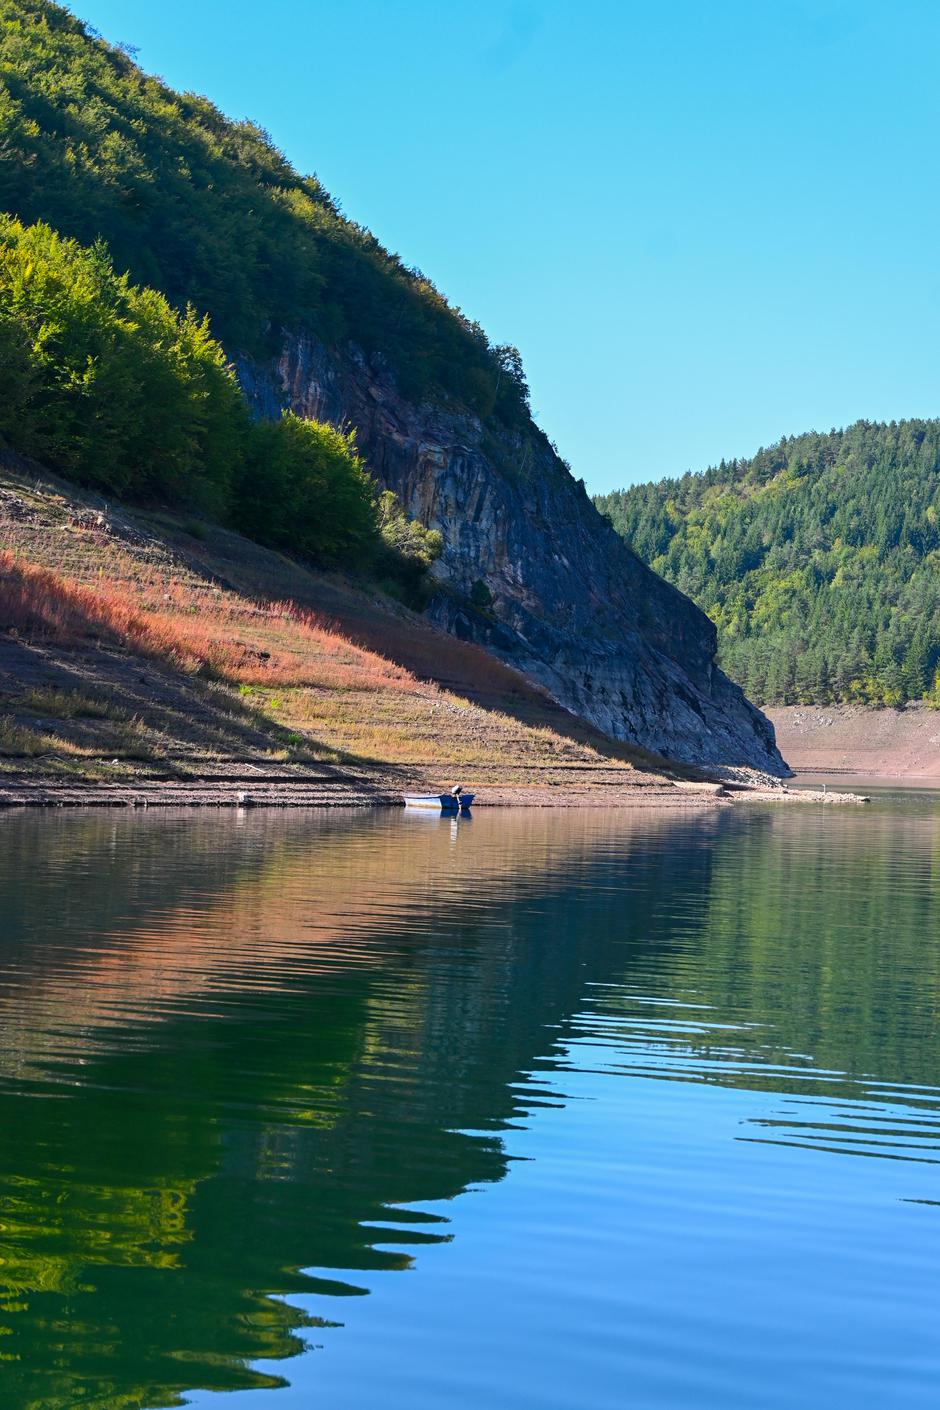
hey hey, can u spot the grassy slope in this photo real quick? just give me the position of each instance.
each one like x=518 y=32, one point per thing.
x=174 y=661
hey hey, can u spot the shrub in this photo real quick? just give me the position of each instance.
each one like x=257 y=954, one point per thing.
x=110 y=386
x=303 y=486
x=408 y=550
x=406 y=537
x=105 y=381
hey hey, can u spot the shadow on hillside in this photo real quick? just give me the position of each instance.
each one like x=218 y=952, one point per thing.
x=193 y=720
x=408 y=640
x=192 y=715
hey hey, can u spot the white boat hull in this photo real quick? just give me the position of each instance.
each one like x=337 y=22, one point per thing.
x=440 y=802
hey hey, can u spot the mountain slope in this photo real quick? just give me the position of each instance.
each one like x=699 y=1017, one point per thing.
x=321 y=320
x=162 y=659
x=817 y=559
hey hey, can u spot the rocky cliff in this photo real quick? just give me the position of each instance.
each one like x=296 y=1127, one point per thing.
x=211 y=214
x=530 y=569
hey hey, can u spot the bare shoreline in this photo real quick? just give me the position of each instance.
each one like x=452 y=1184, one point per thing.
x=329 y=789
x=857 y=743
x=848 y=778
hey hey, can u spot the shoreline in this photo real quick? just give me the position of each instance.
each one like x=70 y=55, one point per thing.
x=241 y=675
x=345 y=791
x=883 y=747
x=871 y=778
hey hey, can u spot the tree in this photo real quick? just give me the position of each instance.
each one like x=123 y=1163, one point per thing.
x=816 y=558
x=107 y=382
x=304 y=487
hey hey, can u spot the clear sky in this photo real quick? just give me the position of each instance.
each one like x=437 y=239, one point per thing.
x=705 y=225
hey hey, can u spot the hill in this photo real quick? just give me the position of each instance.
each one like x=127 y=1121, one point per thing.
x=163 y=659
x=210 y=213
x=817 y=559
x=320 y=321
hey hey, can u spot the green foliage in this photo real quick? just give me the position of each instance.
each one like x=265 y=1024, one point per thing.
x=406 y=537
x=818 y=561
x=209 y=212
x=480 y=595
x=107 y=384
x=106 y=381
x=407 y=551
x=303 y=487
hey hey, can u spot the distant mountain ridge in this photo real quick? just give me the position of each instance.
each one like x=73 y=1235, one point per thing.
x=818 y=560
x=321 y=320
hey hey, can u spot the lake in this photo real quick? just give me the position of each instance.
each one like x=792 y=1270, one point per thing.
x=554 y=1110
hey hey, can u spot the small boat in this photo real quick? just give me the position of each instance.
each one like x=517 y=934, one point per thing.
x=441 y=802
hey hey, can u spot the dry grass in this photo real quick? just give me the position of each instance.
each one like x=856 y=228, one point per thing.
x=130 y=740
x=245 y=643
x=317 y=669
x=19 y=742
x=412 y=729
x=68 y=705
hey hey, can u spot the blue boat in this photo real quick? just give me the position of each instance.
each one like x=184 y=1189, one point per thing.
x=440 y=802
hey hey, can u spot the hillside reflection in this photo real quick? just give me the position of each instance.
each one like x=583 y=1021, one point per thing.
x=233 y=1049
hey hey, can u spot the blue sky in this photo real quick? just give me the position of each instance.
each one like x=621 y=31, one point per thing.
x=704 y=225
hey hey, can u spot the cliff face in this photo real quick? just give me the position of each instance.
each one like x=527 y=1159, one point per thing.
x=213 y=215
x=571 y=605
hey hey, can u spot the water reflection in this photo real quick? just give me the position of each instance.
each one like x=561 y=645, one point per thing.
x=253 y=1056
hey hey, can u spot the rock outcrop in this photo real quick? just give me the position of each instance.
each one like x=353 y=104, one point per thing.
x=530 y=570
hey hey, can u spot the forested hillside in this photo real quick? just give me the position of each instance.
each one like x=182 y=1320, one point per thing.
x=108 y=384
x=199 y=207
x=818 y=559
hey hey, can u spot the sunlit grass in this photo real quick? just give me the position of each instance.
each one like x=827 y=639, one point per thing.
x=359 y=680
x=193 y=629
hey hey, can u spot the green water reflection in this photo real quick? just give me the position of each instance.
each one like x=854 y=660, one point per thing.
x=236 y=1049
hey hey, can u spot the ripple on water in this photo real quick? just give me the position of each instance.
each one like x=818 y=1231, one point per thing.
x=599 y=1082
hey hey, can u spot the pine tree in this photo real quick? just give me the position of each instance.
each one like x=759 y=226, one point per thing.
x=821 y=544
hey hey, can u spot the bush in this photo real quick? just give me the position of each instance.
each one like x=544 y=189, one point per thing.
x=480 y=595
x=107 y=384
x=406 y=537
x=304 y=487
x=408 y=550
x=105 y=381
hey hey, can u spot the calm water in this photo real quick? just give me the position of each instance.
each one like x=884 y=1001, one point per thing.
x=554 y=1110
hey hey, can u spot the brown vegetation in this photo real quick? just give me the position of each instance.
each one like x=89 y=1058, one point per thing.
x=195 y=628
x=134 y=648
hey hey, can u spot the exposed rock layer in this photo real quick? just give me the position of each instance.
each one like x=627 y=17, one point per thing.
x=571 y=606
